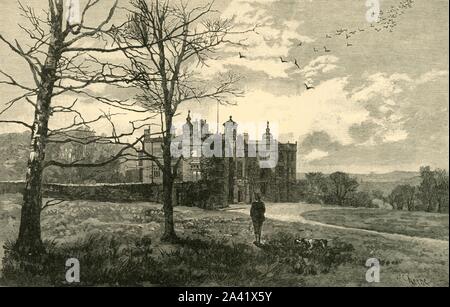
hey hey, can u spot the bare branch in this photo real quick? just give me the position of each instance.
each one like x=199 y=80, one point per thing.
x=18 y=122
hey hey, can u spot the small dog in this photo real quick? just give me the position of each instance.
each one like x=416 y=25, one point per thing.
x=310 y=244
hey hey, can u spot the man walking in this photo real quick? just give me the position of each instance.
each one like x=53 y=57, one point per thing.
x=257 y=214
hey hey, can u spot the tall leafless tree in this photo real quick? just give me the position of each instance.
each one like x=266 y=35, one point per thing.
x=60 y=64
x=178 y=40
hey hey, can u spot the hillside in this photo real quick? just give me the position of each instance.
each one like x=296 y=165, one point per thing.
x=387 y=182
x=383 y=182
x=397 y=176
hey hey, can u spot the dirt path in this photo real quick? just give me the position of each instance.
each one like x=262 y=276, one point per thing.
x=294 y=213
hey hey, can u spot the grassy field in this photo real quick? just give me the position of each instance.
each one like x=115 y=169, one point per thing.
x=416 y=224
x=217 y=249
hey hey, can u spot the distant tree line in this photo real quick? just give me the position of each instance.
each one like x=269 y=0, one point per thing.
x=340 y=189
x=336 y=189
x=431 y=195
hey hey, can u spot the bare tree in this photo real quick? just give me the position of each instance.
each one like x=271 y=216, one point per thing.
x=60 y=64
x=427 y=188
x=165 y=71
x=403 y=196
x=442 y=190
x=341 y=185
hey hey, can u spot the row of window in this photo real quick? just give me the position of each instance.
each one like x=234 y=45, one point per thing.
x=156 y=172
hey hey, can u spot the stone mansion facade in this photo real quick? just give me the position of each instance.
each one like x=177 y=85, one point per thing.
x=238 y=176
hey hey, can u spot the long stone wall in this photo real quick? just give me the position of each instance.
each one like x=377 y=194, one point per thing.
x=11 y=187
x=199 y=194
x=184 y=194
x=98 y=192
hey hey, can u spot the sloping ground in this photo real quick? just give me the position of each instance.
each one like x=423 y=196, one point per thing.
x=412 y=224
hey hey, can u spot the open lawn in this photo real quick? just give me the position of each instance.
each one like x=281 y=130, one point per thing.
x=416 y=224
x=217 y=249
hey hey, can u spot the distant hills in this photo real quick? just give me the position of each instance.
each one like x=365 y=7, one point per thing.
x=382 y=182
x=397 y=176
x=387 y=182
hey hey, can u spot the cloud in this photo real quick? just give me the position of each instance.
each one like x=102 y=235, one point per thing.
x=273 y=38
x=315 y=155
x=389 y=98
x=321 y=65
x=318 y=140
x=432 y=76
x=380 y=84
x=270 y=67
x=244 y=12
x=364 y=131
x=327 y=108
x=399 y=132
x=393 y=136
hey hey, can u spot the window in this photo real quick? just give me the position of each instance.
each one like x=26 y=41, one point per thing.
x=197 y=175
x=156 y=172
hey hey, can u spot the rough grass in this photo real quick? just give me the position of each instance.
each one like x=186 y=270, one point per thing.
x=416 y=224
x=108 y=261
x=70 y=226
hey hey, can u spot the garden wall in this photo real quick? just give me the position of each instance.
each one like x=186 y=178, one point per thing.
x=185 y=194
x=96 y=192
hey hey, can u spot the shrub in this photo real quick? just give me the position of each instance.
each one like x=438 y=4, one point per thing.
x=359 y=200
x=105 y=260
x=309 y=257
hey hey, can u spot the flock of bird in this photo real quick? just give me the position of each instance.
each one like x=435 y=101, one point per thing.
x=387 y=22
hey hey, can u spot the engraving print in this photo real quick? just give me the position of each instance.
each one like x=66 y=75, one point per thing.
x=224 y=143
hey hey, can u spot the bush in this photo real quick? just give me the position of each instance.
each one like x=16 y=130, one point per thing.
x=309 y=257
x=360 y=200
x=105 y=261
x=313 y=199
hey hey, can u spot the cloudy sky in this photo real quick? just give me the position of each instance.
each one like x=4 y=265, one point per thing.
x=380 y=98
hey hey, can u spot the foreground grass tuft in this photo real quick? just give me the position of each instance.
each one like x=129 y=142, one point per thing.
x=105 y=260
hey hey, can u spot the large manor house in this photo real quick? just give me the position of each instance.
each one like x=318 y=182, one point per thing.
x=240 y=176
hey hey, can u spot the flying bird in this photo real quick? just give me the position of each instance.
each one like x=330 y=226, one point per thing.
x=326 y=50
x=242 y=56
x=349 y=45
x=296 y=64
x=308 y=87
x=300 y=44
x=283 y=60
x=315 y=49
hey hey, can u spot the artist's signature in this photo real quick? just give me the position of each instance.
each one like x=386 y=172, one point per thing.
x=414 y=281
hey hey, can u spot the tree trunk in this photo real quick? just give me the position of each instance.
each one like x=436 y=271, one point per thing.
x=29 y=242
x=168 y=181
x=439 y=209
x=430 y=205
